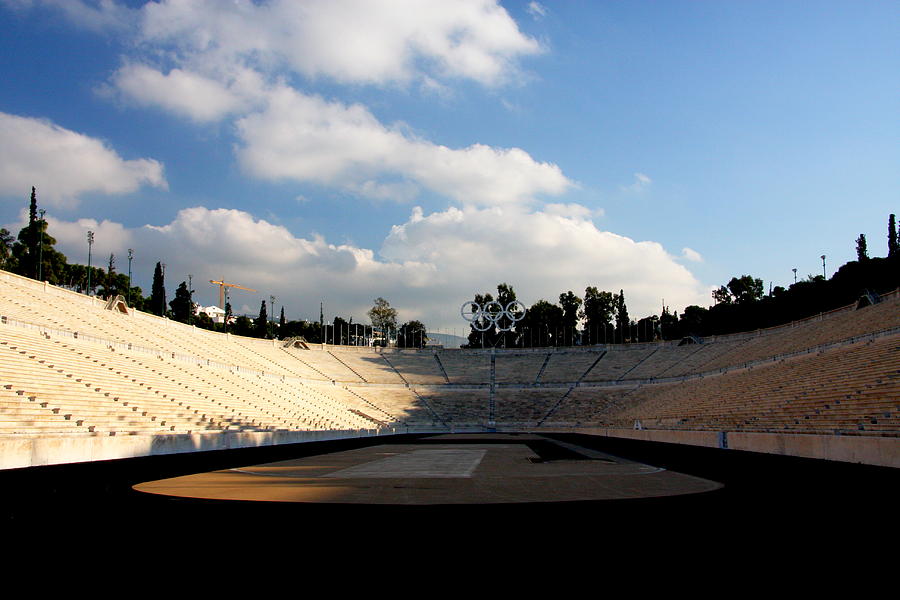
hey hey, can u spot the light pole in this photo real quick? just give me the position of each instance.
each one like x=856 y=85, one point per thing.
x=90 y=240
x=163 y=299
x=191 y=300
x=272 y=304
x=41 y=251
x=824 y=274
x=795 y=274
x=130 y=258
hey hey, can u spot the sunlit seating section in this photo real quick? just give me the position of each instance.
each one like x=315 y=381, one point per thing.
x=369 y=365
x=466 y=367
x=416 y=368
x=525 y=406
x=458 y=407
x=618 y=360
x=511 y=367
x=852 y=389
x=834 y=327
x=564 y=367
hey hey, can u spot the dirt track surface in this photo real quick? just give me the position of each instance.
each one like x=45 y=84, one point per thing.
x=441 y=470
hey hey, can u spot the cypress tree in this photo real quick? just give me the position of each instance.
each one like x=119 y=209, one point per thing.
x=262 y=321
x=158 y=292
x=862 y=252
x=893 y=242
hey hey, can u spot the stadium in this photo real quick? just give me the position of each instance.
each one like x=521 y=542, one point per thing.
x=112 y=408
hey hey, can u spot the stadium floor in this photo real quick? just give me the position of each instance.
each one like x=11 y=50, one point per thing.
x=442 y=470
x=709 y=496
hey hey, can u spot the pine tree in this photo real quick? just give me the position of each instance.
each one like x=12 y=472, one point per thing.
x=181 y=304
x=158 y=292
x=281 y=321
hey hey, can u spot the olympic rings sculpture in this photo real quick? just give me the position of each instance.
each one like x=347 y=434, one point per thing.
x=484 y=317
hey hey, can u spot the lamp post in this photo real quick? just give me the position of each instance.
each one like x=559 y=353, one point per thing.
x=163 y=299
x=272 y=304
x=795 y=274
x=41 y=251
x=190 y=300
x=130 y=258
x=90 y=241
x=824 y=274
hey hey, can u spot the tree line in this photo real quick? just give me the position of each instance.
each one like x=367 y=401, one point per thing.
x=601 y=317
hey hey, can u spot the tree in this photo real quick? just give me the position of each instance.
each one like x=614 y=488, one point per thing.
x=623 y=323
x=158 y=292
x=228 y=315
x=861 y=251
x=746 y=289
x=542 y=325
x=382 y=316
x=411 y=334
x=893 y=241
x=482 y=331
x=261 y=325
x=570 y=304
x=110 y=287
x=281 y=321
x=6 y=246
x=722 y=295
x=597 y=313
x=182 y=307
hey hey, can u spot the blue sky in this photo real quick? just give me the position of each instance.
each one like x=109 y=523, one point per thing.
x=424 y=151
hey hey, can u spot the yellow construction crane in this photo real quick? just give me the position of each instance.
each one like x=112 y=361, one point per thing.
x=222 y=285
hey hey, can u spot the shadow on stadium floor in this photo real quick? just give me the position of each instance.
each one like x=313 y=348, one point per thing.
x=757 y=490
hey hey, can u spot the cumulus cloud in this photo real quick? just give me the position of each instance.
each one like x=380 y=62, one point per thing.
x=349 y=41
x=306 y=138
x=64 y=164
x=426 y=267
x=188 y=94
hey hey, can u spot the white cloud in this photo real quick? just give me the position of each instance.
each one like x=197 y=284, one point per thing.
x=641 y=183
x=306 y=138
x=350 y=41
x=63 y=164
x=426 y=267
x=536 y=10
x=691 y=255
x=188 y=94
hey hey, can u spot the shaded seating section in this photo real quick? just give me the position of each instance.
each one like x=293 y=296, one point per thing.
x=568 y=366
x=618 y=361
x=591 y=406
x=416 y=368
x=458 y=407
x=368 y=365
x=466 y=367
x=511 y=367
x=403 y=405
x=525 y=407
